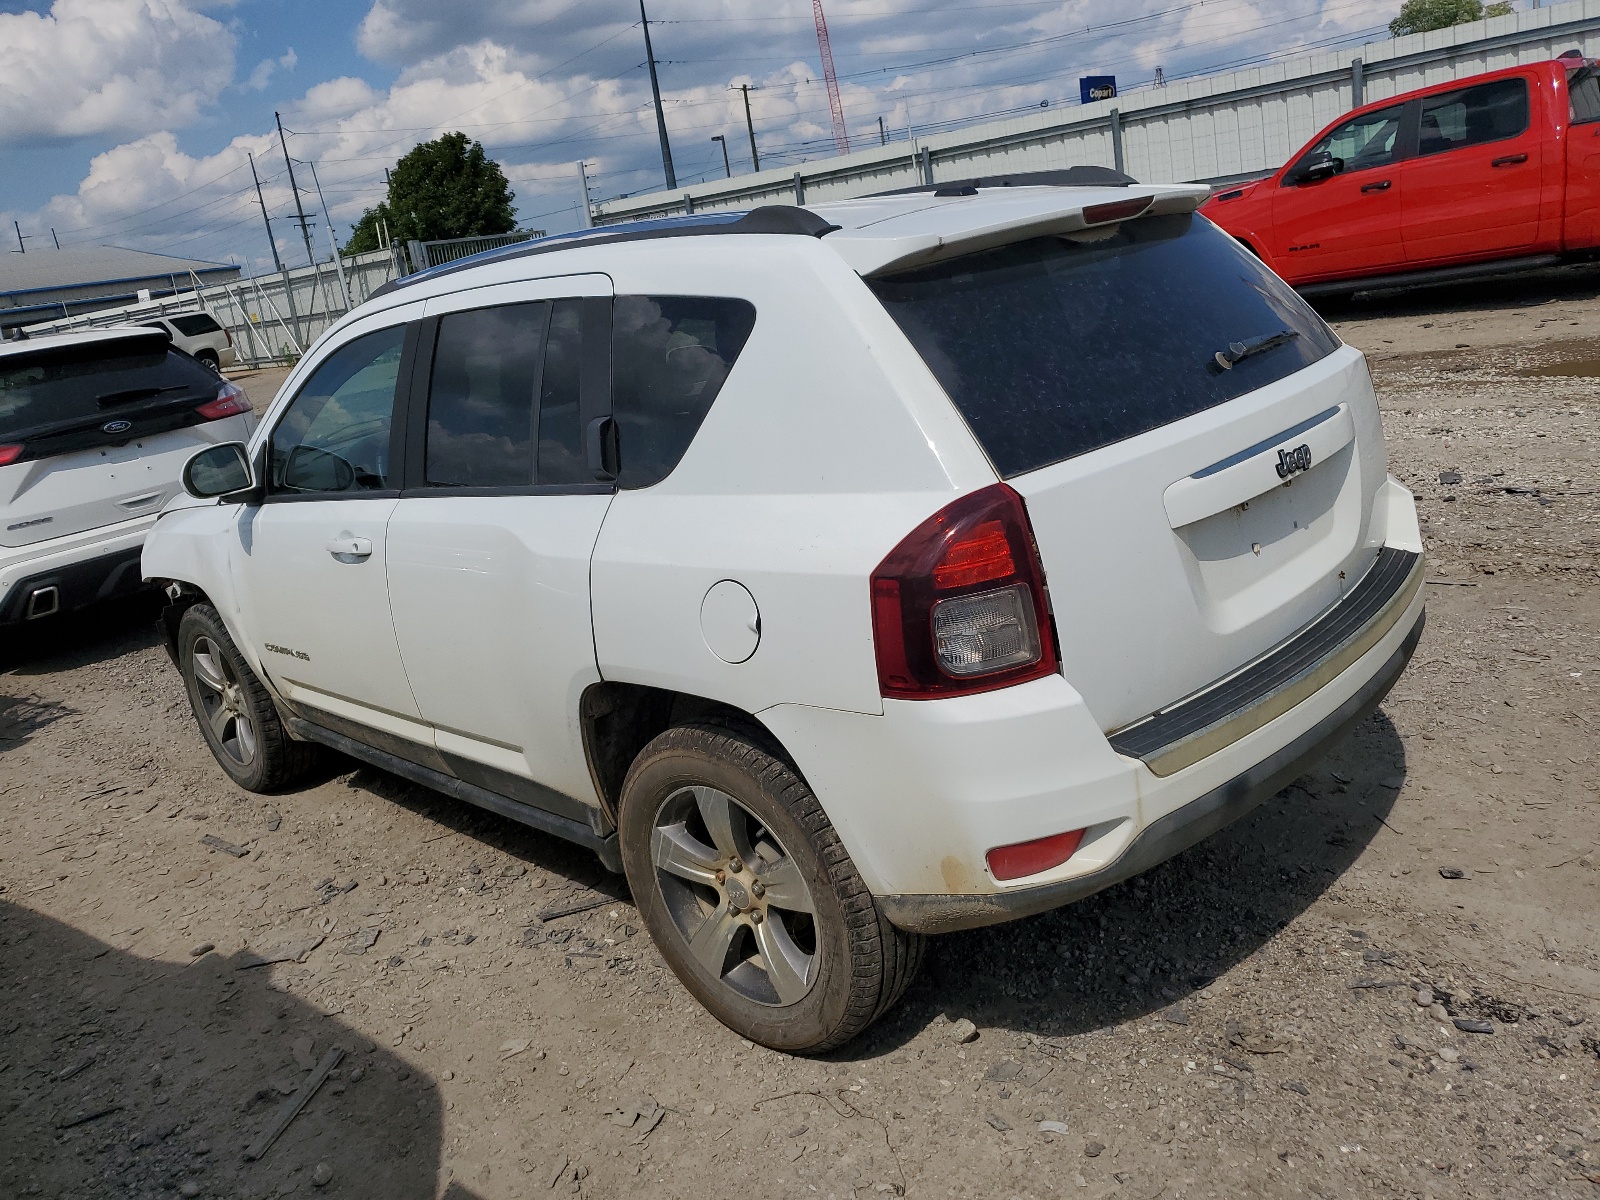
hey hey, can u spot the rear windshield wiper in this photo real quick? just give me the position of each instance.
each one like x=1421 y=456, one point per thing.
x=1237 y=352
x=111 y=399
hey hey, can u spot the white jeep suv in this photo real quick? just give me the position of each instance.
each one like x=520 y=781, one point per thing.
x=842 y=575
x=95 y=428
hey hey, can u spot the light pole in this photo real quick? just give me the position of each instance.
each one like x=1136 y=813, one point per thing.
x=724 y=143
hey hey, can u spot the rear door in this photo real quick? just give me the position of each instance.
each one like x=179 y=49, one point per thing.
x=311 y=559
x=1473 y=190
x=489 y=546
x=1581 y=228
x=1175 y=552
x=1347 y=224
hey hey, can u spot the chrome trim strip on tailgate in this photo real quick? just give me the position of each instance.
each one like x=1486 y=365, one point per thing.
x=1225 y=711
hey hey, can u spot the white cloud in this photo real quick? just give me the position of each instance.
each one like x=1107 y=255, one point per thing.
x=97 y=67
x=266 y=67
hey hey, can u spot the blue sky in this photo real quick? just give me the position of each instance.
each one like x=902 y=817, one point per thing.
x=128 y=122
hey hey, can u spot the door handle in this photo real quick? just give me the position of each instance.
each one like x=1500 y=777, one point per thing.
x=1509 y=160
x=1382 y=185
x=346 y=546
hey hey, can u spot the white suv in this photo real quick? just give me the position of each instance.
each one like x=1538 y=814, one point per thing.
x=95 y=428
x=842 y=575
x=199 y=335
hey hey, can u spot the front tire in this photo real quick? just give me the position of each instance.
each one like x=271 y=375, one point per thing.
x=750 y=896
x=236 y=715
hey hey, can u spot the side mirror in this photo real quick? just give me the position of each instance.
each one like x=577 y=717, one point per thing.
x=218 y=471
x=309 y=469
x=1320 y=166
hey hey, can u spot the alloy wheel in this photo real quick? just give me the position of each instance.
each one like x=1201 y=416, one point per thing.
x=736 y=895
x=222 y=702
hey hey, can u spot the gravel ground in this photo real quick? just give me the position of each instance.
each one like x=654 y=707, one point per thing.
x=1288 y=1009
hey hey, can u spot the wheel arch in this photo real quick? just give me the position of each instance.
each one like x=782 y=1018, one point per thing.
x=618 y=720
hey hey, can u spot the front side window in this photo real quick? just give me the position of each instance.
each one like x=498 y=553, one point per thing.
x=669 y=358
x=1490 y=112
x=1370 y=140
x=335 y=435
x=480 y=404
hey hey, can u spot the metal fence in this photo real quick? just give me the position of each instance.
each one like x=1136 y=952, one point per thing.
x=423 y=255
x=1214 y=129
x=274 y=319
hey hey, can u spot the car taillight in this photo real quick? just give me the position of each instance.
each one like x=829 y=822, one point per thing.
x=1029 y=858
x=10 y=454
x=959 y=606
x=230 y=402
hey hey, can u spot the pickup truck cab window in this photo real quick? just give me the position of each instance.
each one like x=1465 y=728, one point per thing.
x=1370 y=140
x=1491 y=112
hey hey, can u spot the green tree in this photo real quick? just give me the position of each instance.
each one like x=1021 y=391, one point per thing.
x=445 y=188
x=1424 y=16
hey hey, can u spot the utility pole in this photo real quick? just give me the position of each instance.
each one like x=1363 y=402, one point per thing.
x=54 y=238
x=21 y=248
x=725 y=166
x=265 y=220
x=338 y=259
x=655 y=90
x=750 y=125
x=305 y=230
x=883 y=138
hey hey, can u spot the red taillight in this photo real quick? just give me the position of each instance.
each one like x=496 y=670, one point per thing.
x=1117 y=210
x=959 y=605
x=1029 y=858
x=10 y=454
x=230 y=402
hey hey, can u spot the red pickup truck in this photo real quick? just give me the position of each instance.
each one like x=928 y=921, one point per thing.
x=1485 y=175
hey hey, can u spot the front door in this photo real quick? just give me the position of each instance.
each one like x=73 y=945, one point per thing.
x=313 y=555
x=1474 y=188
x=1347 y=224
x=490 y=544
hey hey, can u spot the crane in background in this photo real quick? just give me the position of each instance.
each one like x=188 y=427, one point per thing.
x=841 y=138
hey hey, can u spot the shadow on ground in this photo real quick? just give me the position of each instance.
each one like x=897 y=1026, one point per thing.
x=1136 y=948
x=129 y=1077
x=100 y=632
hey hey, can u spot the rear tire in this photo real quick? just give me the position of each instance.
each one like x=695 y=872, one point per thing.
x=236 y=715
x=751 y=897
x=210 y=359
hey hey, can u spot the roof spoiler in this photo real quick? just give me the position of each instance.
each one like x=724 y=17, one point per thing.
x=1084 y=176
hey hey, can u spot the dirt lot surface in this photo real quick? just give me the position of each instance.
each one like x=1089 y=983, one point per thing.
x=1243 y=1021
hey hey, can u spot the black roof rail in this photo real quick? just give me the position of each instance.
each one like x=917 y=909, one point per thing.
x=1085 y=176
x=769 y=218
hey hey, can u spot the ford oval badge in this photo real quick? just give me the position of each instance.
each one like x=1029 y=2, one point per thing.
x=116 y=427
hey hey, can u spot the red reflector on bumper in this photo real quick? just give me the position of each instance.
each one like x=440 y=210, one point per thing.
x=1029 y=858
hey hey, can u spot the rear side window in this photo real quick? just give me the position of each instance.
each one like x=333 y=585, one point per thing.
x=480 y=404
x=1490 y=112
x=669 y=358
x=1583 y=87
x=195 y=324
x=334 y=437
x=95 y=381
x=1054 y=347
x=561 y=457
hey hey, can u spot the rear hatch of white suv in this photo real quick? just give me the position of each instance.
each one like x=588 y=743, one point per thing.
x=95 y=429
x=1198 y=453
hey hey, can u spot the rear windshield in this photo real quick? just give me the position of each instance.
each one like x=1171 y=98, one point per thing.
x=42 y=388
x=194 y=324
x=1054 y=347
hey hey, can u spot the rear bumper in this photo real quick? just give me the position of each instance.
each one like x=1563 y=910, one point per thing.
x=1170 y=835
x=67 y=573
